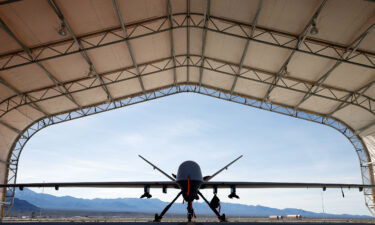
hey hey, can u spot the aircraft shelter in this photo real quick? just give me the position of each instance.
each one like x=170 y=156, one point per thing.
x=65 y=59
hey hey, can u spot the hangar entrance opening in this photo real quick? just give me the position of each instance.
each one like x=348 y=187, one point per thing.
x=186 y=124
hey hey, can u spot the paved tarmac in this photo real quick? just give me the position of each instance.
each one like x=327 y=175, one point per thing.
x=182 y=223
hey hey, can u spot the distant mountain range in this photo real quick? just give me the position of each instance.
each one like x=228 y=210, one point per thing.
x=28 y=200
x=22 y=206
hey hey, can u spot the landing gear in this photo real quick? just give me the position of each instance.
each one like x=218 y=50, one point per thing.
x=220 y=217
x=190 y=211
x=159 y=217
x=189 y=216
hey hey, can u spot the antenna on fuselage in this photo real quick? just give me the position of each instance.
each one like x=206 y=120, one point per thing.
x=207 y=178
x=157 y=168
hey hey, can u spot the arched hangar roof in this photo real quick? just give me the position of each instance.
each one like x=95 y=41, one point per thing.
x=314 y=56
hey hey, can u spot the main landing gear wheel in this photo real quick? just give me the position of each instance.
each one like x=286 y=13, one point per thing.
x=222 y=218
x=157 y=218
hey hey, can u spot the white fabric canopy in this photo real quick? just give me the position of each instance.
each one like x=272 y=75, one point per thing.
x=263 y=50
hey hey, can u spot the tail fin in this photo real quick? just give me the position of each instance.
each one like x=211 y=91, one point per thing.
x=157 y=168
x=207 y=178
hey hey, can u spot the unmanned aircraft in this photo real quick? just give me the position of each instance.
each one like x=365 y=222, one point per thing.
x=190 y=181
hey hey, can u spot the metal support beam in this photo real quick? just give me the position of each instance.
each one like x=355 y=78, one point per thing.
x=173 y=53
x=31 y=56
x=348 y=52
x=83 y=52
x=5 y=2
x=21 y=95
x=364 y=128
x=355 y=95
x=289 y=83
x=109 y=36
x=206 y=18
x=365 y=87
x=244 y=53
x=301 y=39
x=188 y=40
x=4 y=162
x=123 y=27
x=10 y=127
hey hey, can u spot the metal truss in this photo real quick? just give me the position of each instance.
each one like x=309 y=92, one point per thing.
x=245 y=49
x=192 y=20
x=10 y=127
x=347 y=54
x=283 y=71
x=30 y=54
x=188 y=39
x=15 y=90
x=225 y=68
x=206 y=18
x=354 y=97
x=18 y=145
x=84 y=54
x=128 y=45
x=173 y=52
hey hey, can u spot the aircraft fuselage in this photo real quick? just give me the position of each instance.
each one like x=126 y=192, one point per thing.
x=189 y=178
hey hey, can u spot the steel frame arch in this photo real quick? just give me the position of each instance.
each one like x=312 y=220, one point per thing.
x=350 y=134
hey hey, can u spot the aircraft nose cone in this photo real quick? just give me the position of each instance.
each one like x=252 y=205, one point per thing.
x=189 y=169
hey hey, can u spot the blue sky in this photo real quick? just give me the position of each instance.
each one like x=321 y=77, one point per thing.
x=212 y=132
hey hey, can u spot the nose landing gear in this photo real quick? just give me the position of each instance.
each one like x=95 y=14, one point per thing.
x=190 y=211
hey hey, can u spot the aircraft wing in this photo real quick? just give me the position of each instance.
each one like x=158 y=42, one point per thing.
x=129 y=184
x=231 y=184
